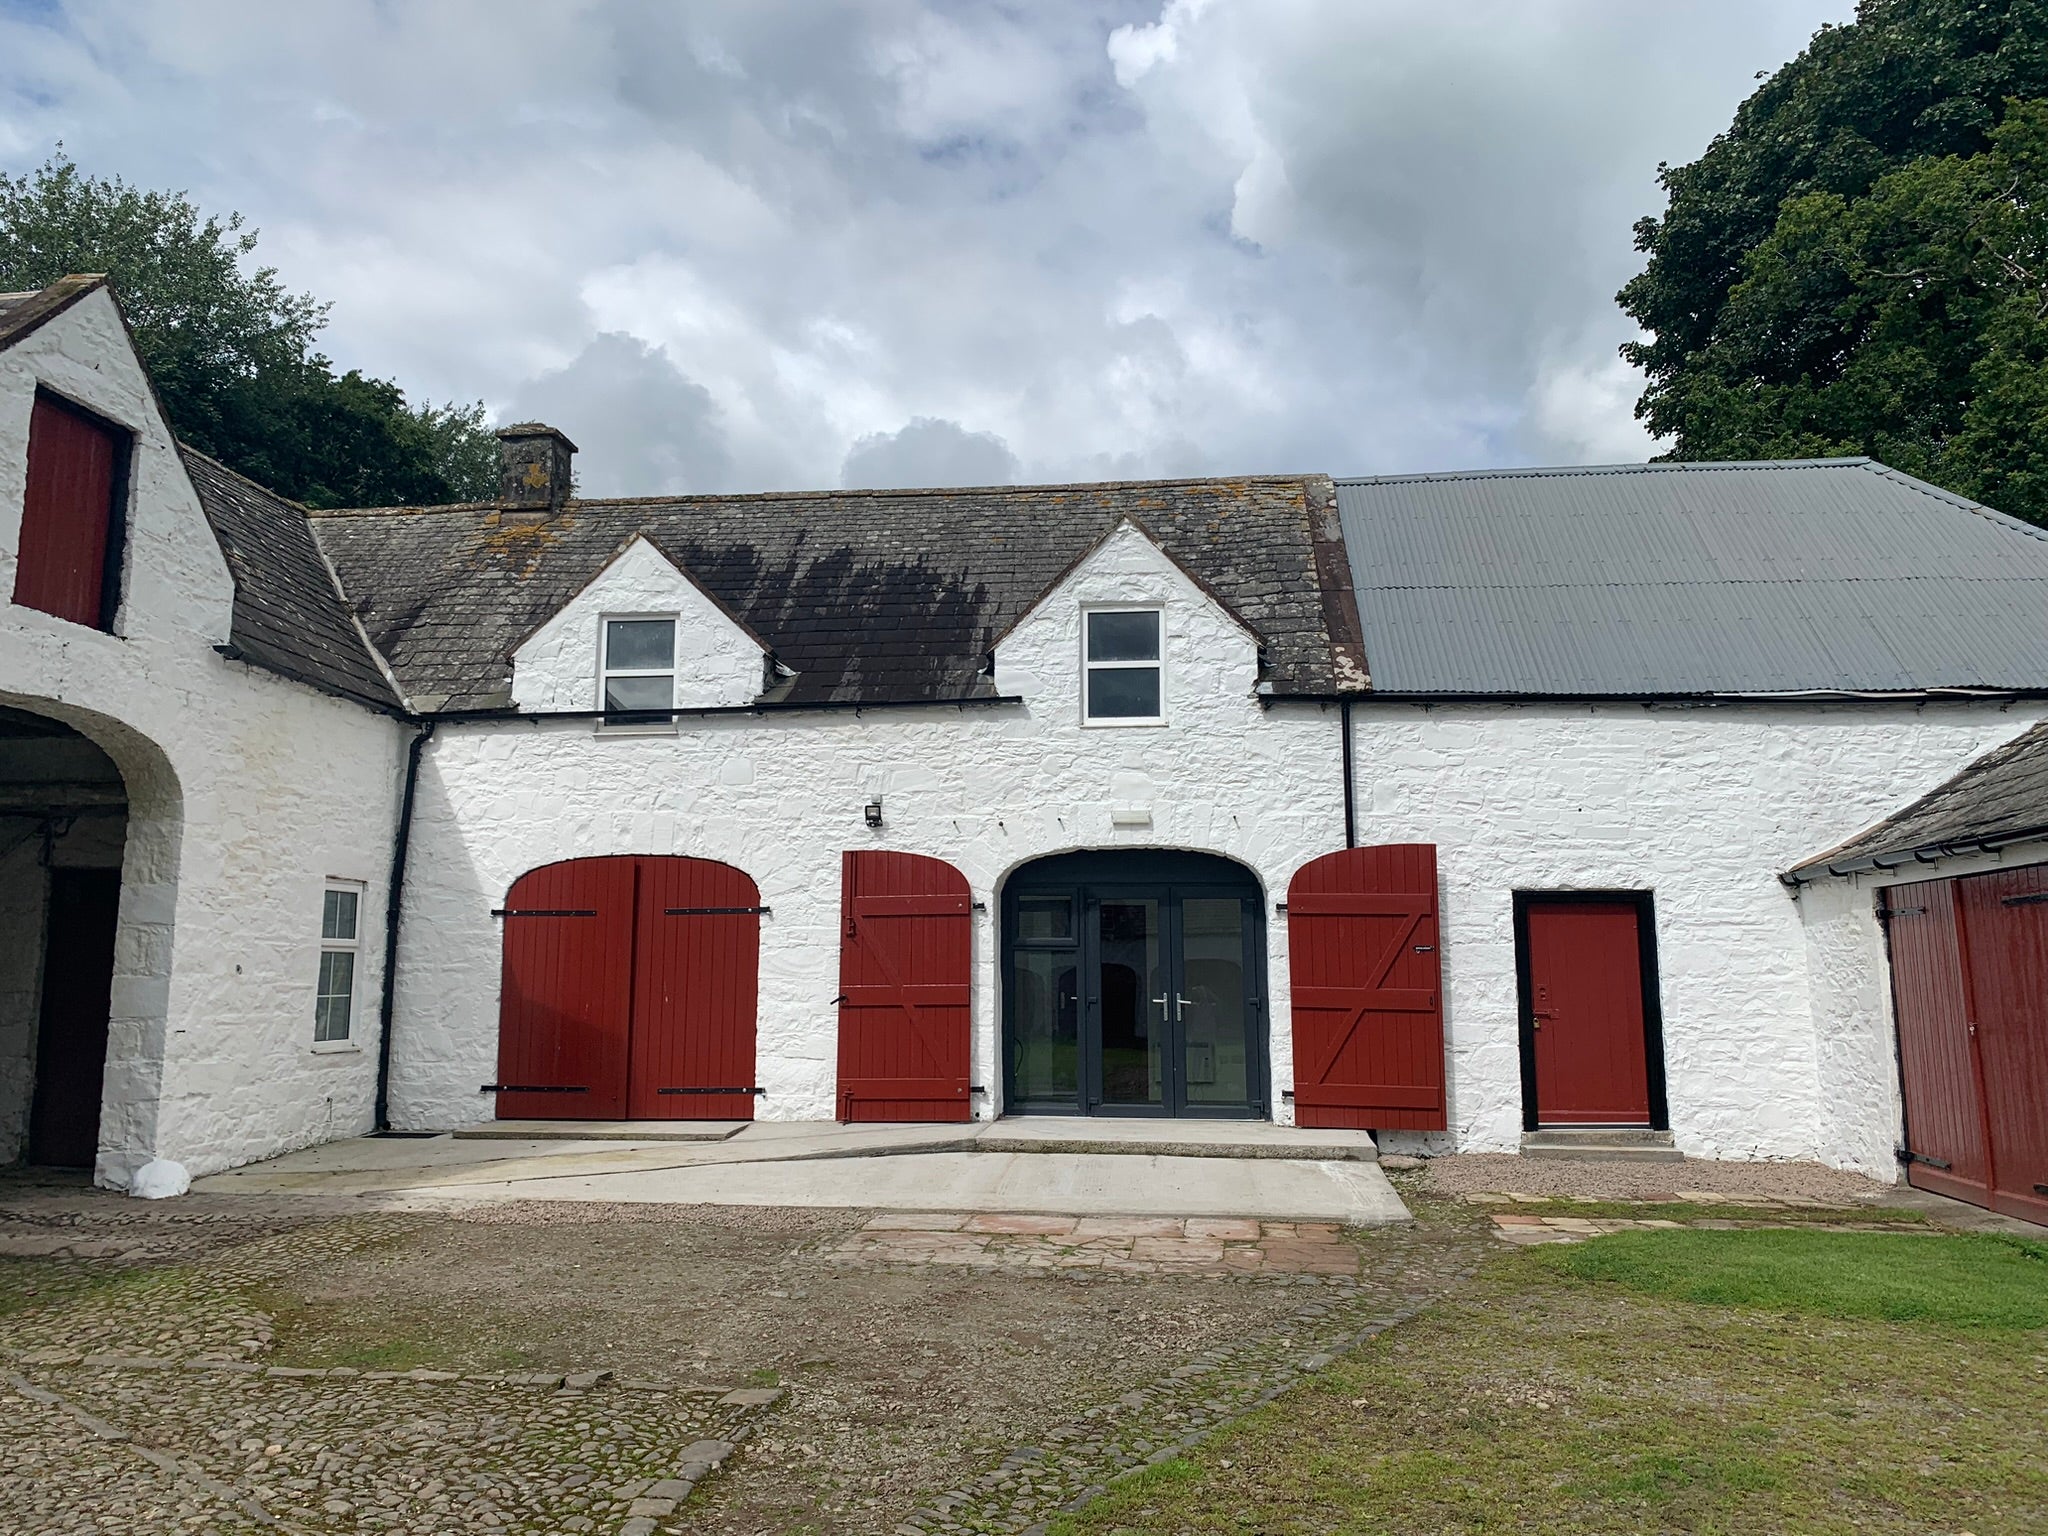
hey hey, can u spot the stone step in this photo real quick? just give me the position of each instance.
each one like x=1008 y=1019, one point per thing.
x=1627 y=1144
x=1174 y=1138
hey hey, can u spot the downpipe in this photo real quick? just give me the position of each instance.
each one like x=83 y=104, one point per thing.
x=401 y=845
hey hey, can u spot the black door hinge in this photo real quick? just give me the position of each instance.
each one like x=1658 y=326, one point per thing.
x=1906 y=1156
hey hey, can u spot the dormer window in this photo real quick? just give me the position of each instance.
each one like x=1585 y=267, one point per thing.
x=639 y=666
x=1121 y=668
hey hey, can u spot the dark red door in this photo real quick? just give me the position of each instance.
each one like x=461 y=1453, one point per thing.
x=1368 y=1004
x=71 y=1040
x=1944 y=1102
x=696 y=987
x=565 y=1000
x=905 y=962
x=1586 y=1007
x=67 y=513
x=2005 y=942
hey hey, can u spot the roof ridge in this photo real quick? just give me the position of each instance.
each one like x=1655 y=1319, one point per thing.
x=1991 y=514
x=1653 y=466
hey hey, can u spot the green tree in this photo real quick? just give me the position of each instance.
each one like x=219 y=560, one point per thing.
x=231 y=349
x=1849 y=268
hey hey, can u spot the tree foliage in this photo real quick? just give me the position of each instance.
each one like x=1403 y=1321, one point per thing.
x=1860 y=264
x=231 y=350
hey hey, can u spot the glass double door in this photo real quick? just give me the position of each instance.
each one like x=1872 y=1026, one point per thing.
x=1136 y=1000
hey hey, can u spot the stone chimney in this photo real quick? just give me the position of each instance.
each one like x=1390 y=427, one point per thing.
x=533 y=467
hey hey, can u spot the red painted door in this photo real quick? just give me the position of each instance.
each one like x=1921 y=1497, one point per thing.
x=71 y=1040
x=905 y=961
x=2005 y=942
x=696 y=981
x=1586 y=998
x=1368 y=1001
x=1937 y=1057
x=565 y=1000
x=67 y=513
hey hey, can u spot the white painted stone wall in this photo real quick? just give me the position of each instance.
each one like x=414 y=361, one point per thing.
x=246 y=792
x=1854 y=1026
x=780 y=796
x=1703 y=807
x=718 y=664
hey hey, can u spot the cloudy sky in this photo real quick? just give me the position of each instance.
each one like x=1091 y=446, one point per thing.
x=754 y=244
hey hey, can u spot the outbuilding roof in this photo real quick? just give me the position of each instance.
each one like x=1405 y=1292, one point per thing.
x=1835 y=576
x=1997 y=801
x=869 y=596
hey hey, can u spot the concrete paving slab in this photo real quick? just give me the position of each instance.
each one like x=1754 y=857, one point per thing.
x=1173 y=1138
x=602 y=1130
x=1060 y=1184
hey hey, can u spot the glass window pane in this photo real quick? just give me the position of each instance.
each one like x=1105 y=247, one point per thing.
x=642 y=644
x=634 y=693
x=1217 y=1043
x=1133 y=980
x=337 y=994
x=1045 y=917
x=1045 y=1013
x=1123 y=693
x=338 y=915
x=1123 y=636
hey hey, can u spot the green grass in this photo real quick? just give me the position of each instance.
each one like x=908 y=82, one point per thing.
x=1963 y=1282
x=1685 y=1210
x=1579 y=1390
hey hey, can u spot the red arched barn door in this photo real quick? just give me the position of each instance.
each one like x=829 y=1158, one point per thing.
x=629 y=990
x=1368 y=1000
x=905 y=956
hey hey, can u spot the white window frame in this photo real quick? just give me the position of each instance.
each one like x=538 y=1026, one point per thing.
x=350 y=946
x=1088 y=668
x=626 y=723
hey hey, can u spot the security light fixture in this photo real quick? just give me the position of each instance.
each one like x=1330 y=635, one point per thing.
x=873 y=811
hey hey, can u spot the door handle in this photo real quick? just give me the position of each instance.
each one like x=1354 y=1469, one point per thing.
x=1181 y=1002
x=1164 y=1011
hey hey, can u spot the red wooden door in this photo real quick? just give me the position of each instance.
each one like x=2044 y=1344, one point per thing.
x=71 y=1040
x=1937 y=1058
x=67 y=513
x=1368 y=1001
x=1586 y=998
x=696 y=988
x=2005 y=942
x=905 y=962
x=565 y=1000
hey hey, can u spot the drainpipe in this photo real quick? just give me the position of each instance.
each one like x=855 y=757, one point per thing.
x=1350 y=798
x=392 y=902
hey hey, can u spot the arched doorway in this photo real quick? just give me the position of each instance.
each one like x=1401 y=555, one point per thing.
x=63 y=826
x=629 y=991
x=1134 y=984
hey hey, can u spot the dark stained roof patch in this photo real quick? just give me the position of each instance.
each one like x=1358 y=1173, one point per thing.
x=22 y=313
x=289 y=615
x=1997 y=801
x=869 y=596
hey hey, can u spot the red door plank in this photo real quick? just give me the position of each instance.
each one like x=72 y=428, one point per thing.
x=1937 y=1060
x=2005 y=941
x=66 y=513
x=905 y=973
x=564 y=1003
x=1586 y=992
x=696 y=991
x=1367 y=993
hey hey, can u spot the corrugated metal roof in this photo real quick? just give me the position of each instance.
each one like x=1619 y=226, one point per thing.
x=1815 y=575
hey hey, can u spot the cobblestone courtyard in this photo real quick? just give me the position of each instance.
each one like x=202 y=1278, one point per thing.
x=229 y=1364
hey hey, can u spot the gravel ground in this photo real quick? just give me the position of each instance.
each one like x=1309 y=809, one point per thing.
x=1475 y=1172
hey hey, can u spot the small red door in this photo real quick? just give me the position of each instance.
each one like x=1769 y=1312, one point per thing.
x=1937 y=1059
x=1586 y=1005
x=1368 y=1005
x=905 y=964
x=696 y=981
x=2005 y=938
x=68 y=512
x=565 y=1000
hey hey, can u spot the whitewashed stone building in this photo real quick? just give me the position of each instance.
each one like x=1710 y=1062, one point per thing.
x=1452 y=807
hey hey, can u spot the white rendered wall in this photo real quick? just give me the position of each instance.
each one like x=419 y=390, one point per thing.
x=245 y=793
x=718 y=664
x=1703 y=807
x=780 y=796
x=1854 y=1027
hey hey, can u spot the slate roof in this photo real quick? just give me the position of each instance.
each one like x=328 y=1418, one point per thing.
x=1999 y=800
x=1822 y=575
x=21 y=313
x=289 y=615
x=871 y=596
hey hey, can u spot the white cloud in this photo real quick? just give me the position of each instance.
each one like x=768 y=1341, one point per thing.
x=1119 y=237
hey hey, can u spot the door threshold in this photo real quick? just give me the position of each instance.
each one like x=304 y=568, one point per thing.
x=603 y=1130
